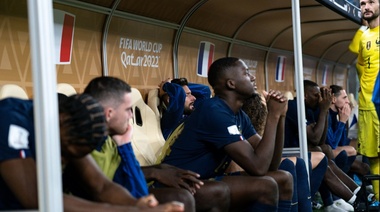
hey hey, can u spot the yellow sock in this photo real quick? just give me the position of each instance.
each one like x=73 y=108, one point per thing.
x=375 y=169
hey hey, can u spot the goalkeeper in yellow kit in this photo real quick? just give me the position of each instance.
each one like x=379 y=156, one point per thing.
x=367 y=48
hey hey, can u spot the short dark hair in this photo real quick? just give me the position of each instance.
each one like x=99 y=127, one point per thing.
x=335 y=89
x=86 y=122
x=180 y=81
x=107 y=89
x=309 y=83
x=218 y=69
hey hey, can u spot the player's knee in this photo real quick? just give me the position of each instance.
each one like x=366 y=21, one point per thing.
x=184 y=196
x=269 y=191
x=317 y=158
x=351 y=151
x=285 y=183
x=222 y=196
x=221 y=192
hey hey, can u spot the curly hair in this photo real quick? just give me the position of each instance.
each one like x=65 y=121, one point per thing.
x=86 y=122
x=257 y=112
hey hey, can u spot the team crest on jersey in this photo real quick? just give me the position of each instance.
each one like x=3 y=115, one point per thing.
x=368 y=46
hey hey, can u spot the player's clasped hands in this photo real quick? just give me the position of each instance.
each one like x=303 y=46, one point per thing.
x=276 y=102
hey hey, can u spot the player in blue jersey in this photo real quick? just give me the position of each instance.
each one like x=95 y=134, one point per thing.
x=82 y=127
x=218 y=131
x=178 y=99
x=339 y=113
x=317 y=104
x=116 y=158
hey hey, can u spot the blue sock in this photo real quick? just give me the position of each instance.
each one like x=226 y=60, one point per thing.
x=350 y=161
x=260 y=207
x=284 y=205
x=303 y=190
x=334 y=197
x=288 y=165
x=325 y=194
x=316 y=176
x=341 y=161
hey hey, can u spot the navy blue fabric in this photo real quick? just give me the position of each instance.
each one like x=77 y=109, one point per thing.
x=173 y=115
x=284 y=205
x=259 y=207
x=212 y=126
x=291 y=140
x=303 y=190
x=376 y=95
x=316 y=176
x=336 y=131
x=16 y=113
x=326 y=195
x=341 y=160
x=129 y=173
x=291 y=123
x=288 y=166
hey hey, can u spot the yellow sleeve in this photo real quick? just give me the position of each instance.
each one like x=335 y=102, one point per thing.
x=354 y=45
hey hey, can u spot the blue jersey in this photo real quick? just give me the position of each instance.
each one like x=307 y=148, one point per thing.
x=119 y=164
x=173 y=115
x=291 y=123
x=16 y=140
x=200 y=145
x=376 y=95
x=336 y=131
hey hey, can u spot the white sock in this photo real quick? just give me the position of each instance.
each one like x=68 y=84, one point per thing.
x=352 y=200
x=357 y=190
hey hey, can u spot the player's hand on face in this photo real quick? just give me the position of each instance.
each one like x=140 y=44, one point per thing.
x=344 y=113
x=326 y=96
x=125 y=138
x=178 y=178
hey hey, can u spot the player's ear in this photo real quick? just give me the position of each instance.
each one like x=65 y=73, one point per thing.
x=230 y=83
x=108 y=113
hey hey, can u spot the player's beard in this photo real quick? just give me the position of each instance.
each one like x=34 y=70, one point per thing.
x=188 y=110
x=371 y=18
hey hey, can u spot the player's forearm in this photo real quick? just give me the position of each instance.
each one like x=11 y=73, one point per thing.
x=266 y=147
x=115 y=194
x=75 y=204
x=324 y=133
x=280 y=135
x=151 y=172
x=316 y=133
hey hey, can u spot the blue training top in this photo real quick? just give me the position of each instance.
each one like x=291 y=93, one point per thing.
x=336 y=131
x=212 y=126
x=16 y=141
x=173 y=115
x=127 y=171
x=291 y=123
x=376 y=95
